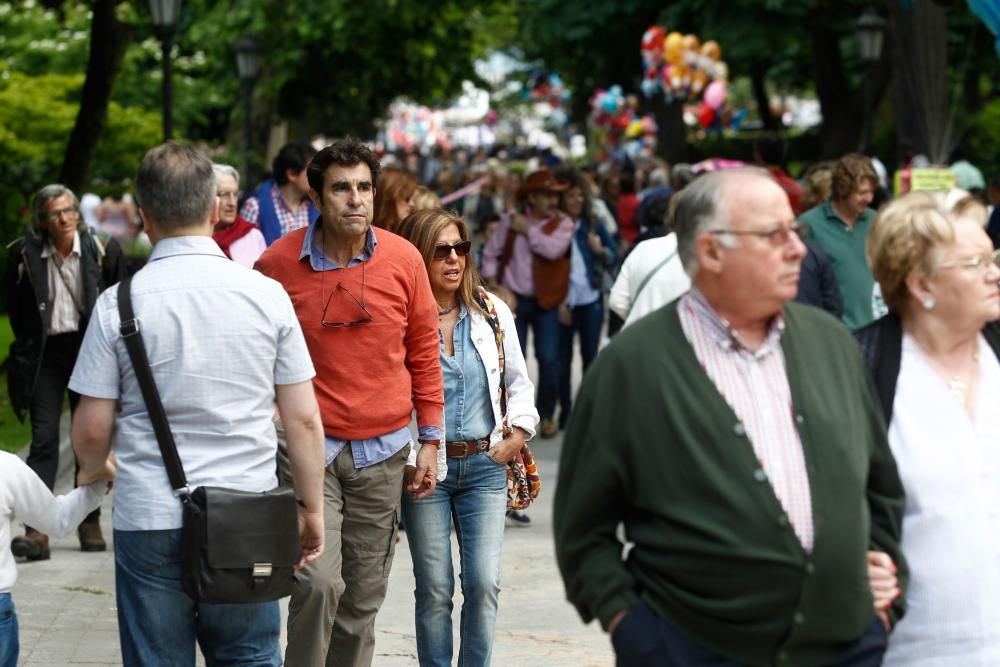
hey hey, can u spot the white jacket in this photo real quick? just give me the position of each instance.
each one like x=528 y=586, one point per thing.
x=521 y=391
x=669 y=282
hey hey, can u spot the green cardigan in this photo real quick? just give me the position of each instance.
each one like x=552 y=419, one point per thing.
x=653 y=444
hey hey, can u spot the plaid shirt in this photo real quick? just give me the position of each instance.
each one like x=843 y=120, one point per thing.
x=755 y=386
x=290 y=220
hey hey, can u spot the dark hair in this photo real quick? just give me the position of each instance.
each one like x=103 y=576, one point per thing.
x=626 y=182
x=394 y=183
x=654 y=213
x=293 y=156
x=175 y=185
x=848 y=173
x=771 y=149
x=344 y=153
x=576 y=179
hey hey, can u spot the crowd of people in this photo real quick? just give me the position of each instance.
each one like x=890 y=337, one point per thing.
x=785 y=493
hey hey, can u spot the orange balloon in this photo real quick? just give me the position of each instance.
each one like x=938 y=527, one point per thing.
x=691 y=43
x=673 y=55
x=710 y=49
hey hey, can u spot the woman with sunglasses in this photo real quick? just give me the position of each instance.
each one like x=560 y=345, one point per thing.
x=484 y=371
x=935 y=360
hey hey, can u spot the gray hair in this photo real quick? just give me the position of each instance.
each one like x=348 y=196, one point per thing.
x=701 y=207
x=226 y=170
x=175 y=186
x=658 y=176
x=41 y=200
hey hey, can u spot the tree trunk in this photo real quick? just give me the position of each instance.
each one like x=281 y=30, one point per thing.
x=109 y=38
x=758 y=75
x=671 y=137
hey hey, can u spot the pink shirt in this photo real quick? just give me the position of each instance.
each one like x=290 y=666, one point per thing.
x=518 y=276
x=755 y=386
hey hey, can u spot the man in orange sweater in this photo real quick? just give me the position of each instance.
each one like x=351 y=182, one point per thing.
x=370 y=322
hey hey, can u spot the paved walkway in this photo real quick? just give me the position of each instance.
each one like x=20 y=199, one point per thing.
x=67 y=613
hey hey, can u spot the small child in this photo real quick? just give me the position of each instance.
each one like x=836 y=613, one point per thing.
x=24 y=495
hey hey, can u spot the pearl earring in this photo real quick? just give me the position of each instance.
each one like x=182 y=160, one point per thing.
x=928 y=303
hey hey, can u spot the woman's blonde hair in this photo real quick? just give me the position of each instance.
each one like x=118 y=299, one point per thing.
x=908 y=235
x=423 y=228
x=423 y=197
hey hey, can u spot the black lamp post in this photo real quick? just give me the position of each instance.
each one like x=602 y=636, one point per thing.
x=869 y=28
x=165 y=16
x=247 y=66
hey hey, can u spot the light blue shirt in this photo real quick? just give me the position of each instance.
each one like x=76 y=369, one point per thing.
x=468 y=406
x=581 y=292
x=369 y=451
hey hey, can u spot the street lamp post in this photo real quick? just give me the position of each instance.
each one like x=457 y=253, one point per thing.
x=165 y=16
x=869 y=28
x=247 y=67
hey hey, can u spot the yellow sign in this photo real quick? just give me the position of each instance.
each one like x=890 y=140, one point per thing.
x=927 y=179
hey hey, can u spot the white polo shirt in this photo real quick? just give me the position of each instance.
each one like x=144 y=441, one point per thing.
x=219 y=337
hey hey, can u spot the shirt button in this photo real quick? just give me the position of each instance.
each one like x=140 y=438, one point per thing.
x=810 y=568
x=739 y=429
x=799 y=618
x=493 y=371
x=783 y=520
x=479 y=340
x=760 y=475
x=460 y=376
x=783 y=656
x=799 y=419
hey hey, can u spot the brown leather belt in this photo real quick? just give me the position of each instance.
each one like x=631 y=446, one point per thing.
x=459 y=449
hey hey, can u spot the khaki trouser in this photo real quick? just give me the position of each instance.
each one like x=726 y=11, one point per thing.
x=331 y=615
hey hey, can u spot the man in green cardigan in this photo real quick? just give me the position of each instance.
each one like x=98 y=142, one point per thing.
x=736 y=436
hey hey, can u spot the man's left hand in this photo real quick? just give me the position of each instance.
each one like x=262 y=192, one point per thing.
x=421 y=482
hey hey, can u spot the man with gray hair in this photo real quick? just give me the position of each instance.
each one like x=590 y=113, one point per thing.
x=224 y=346
x=54 y=274
x=737 y=438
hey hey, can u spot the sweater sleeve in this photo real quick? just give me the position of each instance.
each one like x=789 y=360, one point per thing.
x=554 y=245
x=35 y=505
x=589 y=498
x=423 y=349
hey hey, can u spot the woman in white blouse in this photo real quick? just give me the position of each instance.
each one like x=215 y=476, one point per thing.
x=934 y=361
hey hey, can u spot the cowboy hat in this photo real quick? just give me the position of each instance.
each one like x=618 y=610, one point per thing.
x=541 y=180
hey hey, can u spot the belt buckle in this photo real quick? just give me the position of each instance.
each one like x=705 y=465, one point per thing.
x=469 y=448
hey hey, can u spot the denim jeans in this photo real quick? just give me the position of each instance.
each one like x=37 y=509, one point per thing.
x=9 y=646
x=587 y=321
x=474 y=497
x=159 y=624
x=545 y=324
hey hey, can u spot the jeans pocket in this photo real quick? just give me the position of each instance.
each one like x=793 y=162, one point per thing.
x=637 y=634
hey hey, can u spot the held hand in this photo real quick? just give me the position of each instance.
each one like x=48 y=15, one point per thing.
x=311 y=532
x=104 y=473
x=424 y=477
x=519 y=223
x=882 y=580
x=507 y=449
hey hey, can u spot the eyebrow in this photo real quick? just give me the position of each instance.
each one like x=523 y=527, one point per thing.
x=346 y=184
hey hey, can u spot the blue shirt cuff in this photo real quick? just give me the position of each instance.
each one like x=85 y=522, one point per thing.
x=429 y=433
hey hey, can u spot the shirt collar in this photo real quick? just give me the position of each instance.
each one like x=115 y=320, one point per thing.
x=185 y=245
x=722 y=331
x=48 y=249
x=321 y=263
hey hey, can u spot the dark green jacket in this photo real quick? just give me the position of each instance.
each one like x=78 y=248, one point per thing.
x=653 y=444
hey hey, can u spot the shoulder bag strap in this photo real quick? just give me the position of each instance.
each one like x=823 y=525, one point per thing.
x=494 y=321
x=649 y=276
x=129 y=329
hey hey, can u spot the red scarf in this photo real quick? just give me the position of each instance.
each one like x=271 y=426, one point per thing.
x=231 y=234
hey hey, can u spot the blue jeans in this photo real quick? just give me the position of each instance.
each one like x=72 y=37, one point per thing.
x=474 y=496
x=545 y=324
x=9 y=645
x=587 y=321
x=159 y=624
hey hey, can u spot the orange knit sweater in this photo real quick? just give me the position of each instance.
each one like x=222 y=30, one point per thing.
x=369 y=378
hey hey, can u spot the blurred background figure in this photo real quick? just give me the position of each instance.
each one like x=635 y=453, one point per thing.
x=393 y=197
x=241 y=241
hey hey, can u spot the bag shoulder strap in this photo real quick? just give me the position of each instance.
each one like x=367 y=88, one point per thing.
x=129 y=329
x=494 y=321
x=649 y=276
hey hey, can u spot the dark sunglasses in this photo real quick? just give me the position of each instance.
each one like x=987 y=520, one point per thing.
x=444 y=251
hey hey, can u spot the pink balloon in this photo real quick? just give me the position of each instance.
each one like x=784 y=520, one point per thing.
x=715 y=94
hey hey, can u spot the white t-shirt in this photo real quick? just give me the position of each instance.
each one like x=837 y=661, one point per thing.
x=949 y=464
x=24 y=495
x=219 y=337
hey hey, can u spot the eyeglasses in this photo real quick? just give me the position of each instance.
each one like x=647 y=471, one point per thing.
x=359 y=303
x=461 y=249
x=979 y=263
x=777 y=237
x=69 y=212
x=234 y=195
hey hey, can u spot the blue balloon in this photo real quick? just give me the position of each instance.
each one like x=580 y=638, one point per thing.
x=989 y=12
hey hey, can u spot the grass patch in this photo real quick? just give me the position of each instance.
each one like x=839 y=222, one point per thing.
x=84 y=589
x=13 y=434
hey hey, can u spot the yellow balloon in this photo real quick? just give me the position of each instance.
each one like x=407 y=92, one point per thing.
x=710 y=49
x=673 y=41
x=691 y=43
x=674 y=55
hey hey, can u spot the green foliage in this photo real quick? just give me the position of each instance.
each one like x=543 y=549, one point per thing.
x=984 y=141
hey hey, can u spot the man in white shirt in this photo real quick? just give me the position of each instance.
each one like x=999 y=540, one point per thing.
x=224 y=345
x=651 y=277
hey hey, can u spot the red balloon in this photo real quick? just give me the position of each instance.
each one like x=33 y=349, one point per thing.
x=706 y=115
x=652 y=40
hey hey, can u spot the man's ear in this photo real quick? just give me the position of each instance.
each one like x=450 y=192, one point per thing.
x=709 y=251
x=314 y=198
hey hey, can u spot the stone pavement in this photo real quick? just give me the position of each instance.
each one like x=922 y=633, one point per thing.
x=66 y=606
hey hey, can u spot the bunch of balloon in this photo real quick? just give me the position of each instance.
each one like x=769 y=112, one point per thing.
x=547 y=88
x=682 y=68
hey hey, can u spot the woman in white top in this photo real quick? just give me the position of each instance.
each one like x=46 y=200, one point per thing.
x=934 y=360
x=24 y=495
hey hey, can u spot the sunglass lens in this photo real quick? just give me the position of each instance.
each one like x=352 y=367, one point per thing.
x=461 y=249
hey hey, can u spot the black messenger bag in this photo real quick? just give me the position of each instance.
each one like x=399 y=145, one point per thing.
x=236 y=546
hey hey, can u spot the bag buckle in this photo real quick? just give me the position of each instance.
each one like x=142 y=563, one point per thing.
x=261 y=570
x=129 y=328
x=182 y=492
